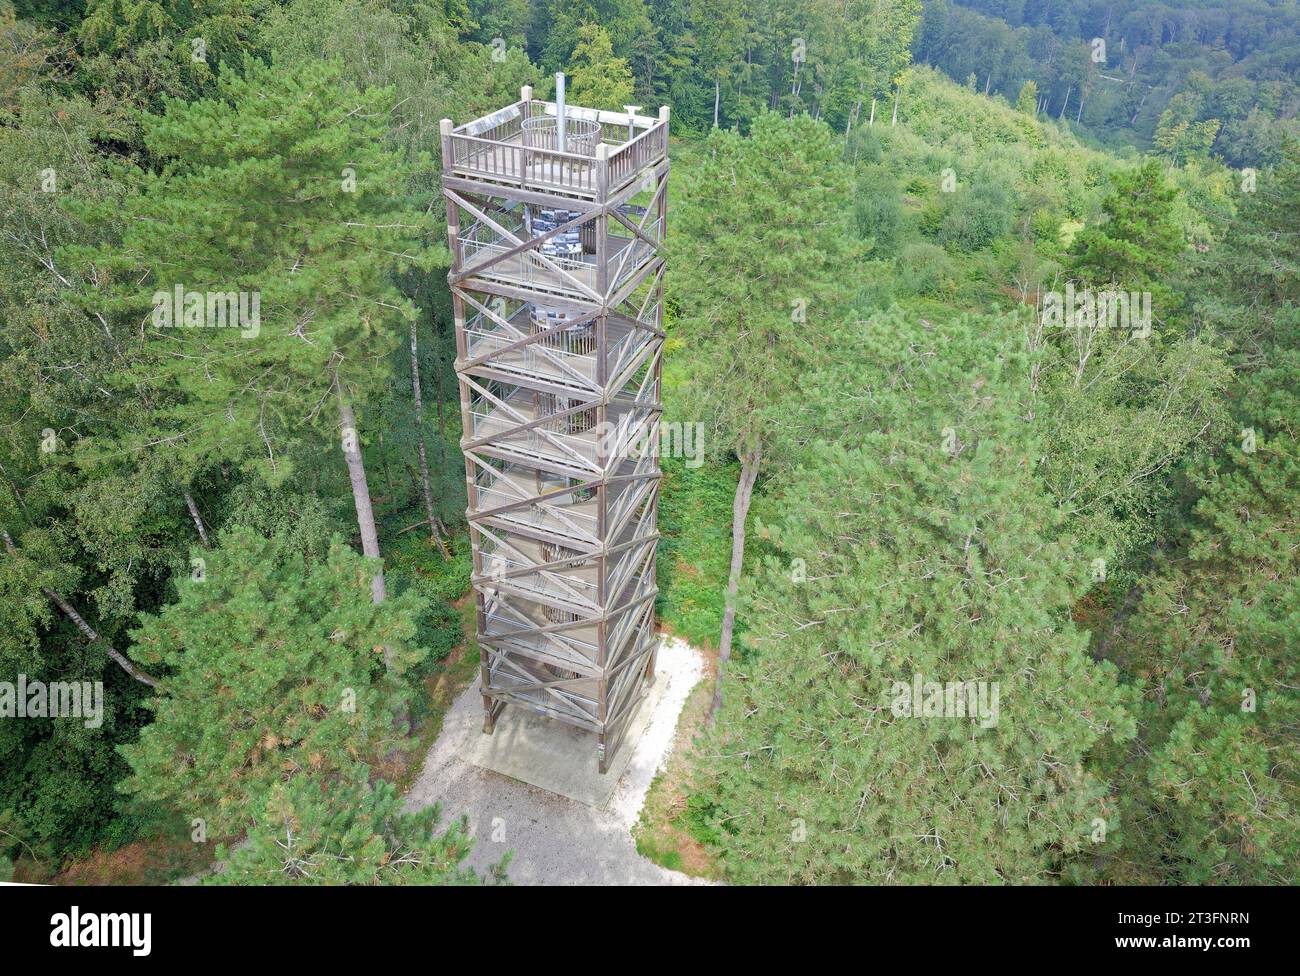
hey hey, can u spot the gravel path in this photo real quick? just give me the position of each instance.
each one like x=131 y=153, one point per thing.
x=557 y=841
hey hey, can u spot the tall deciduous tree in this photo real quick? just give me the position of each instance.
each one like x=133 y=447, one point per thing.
x=719 y=31
x=600 y=80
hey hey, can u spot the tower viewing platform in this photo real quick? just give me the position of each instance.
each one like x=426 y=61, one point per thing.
x=556 y=217
x=521 y=146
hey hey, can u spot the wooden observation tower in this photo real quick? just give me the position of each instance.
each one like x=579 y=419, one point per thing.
x=556 y=217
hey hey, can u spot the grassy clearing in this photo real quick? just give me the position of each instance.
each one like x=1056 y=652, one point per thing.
x=694 y=557
x=443 y=685
x=672 y=831
x=695 y=551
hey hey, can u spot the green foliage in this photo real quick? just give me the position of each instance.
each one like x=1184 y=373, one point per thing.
x=347 y=833
x=1120 y=411
x=256 y=197
x=691 y=565
x=975 y=217
x=412 y=47
x=274 y=666
x=600 y=80
x=936 y=485
x=877 y=209
x=146 y=50
x=1027 y=99
x=117 y=25
x=1183 y=141
x=929 y=549
x=1236 y=67
x=924 y=269
x=1210 y=798
x=438 y=624
x=1136 y=244
x=763 y=236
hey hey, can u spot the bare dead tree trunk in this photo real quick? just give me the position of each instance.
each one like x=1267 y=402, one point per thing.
x=434 y=534
x=1068 y=89
x=1138 y=110
x=872 y=123
x=717 y=98
x=894 y=120
x=749 y=464
x=87 y=631
x=198 y=520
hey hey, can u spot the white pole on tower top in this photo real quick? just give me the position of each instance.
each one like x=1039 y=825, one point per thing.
x=631 y=110
x=559 y=110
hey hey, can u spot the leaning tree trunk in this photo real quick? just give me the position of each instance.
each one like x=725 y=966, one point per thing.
x=361 y=494
x=749 y=463
x=434 y=534
x=365 y=520
x=89 y=632
x=198 y=520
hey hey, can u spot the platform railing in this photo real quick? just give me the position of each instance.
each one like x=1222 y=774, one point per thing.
x=484 y=338
x=558 y=518
x=495 y=148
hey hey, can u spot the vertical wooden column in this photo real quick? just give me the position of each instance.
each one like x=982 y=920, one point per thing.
x=491 y=709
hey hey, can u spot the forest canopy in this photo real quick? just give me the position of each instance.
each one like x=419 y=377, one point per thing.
x=993 y=341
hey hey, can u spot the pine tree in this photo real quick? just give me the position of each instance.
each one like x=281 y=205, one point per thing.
x=279 y=190
x=311 y=832
x=1136 y=245
x=1210 y=798
x=275 y=665
x=916 y=545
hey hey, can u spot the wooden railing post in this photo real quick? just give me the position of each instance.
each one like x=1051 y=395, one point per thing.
x=602 y=223
x=448 y=162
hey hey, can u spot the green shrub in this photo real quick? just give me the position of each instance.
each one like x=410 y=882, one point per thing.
x=877 y=209
x=925 y=269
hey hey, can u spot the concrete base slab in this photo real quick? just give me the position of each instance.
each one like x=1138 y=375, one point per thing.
x=555 y=757
x=552 y=839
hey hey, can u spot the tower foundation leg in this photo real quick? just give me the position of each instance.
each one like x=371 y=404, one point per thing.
x=491 y=712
